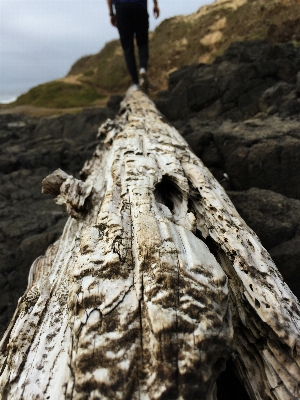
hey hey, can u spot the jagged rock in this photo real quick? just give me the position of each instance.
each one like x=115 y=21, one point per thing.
x=281 y=95
x=263 y=153
x=232 y=87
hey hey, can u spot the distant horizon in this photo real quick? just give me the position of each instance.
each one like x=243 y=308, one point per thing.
x=6 y=100
x=40 y=41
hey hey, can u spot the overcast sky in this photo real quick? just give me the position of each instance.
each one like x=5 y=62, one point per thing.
x=41 y=39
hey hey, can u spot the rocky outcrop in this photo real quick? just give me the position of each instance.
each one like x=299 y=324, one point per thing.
x=262 y=153
x=30 y=221
x=250 y=77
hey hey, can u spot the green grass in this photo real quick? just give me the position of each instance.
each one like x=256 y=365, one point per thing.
x=89 y=72
x=109 y=66
x=59 y=95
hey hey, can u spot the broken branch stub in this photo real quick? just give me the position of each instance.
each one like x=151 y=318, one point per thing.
x=71 y=193
x=149 y=292
x=52 y=183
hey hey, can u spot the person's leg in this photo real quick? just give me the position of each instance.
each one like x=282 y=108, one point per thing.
x=141 y=31
x=141 y=27
x=126 y=31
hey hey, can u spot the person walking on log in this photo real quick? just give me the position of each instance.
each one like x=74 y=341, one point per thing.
x=132 y=20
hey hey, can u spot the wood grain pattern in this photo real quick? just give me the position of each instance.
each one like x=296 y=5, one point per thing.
x=155 y=281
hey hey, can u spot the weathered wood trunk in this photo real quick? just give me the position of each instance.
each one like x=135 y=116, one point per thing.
x=155 y=281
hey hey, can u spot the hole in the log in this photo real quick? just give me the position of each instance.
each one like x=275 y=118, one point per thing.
x=257 y=303
x=219 y=364
x=208 y=241
x=199 y=235
x=168 y=194
x=267 y=306
x=191 y=206
x=229 y=387
x=251 y=286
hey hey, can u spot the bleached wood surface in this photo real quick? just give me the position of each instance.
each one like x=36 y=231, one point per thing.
x=131 y=303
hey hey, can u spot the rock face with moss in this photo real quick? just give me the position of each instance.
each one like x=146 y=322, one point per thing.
x=250 y=77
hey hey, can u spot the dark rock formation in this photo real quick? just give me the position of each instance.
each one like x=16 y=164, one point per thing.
x=263 y=153
x=250 y=77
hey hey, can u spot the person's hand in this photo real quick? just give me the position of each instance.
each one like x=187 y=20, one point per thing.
x=113 y=20
x=156 y=11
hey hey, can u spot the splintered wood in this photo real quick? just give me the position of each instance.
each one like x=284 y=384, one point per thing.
x=154 y=283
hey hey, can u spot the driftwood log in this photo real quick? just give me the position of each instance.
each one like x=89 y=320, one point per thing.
x=154 y=283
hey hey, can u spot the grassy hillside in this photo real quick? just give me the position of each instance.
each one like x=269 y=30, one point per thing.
x=58 y=94
x=178 y=41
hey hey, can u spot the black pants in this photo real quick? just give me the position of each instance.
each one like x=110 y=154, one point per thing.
x=133 y=21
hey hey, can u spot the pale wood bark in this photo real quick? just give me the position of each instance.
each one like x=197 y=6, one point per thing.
x=131 y=303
